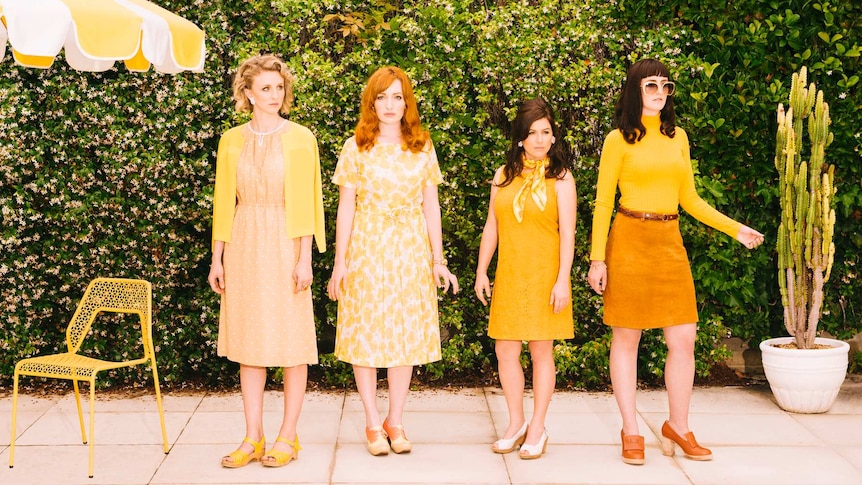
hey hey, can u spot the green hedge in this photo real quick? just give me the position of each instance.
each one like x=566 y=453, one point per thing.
x=111 y=174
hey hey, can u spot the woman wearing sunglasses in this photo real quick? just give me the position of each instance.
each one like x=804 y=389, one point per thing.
x=642 y=268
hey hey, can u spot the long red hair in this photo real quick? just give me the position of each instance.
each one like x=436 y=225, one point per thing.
x=413 y=136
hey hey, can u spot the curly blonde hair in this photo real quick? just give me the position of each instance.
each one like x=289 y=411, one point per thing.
x=250 y=69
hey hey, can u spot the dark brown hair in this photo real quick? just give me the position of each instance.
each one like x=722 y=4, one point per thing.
x=529 y=112
x=629 y=107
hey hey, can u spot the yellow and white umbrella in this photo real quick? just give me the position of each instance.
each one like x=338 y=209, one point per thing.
x=97 y=33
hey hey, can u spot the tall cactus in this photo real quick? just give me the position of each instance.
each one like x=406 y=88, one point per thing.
x=805 y=247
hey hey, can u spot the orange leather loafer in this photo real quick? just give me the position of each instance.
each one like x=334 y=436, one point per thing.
x=689 y=445
x=633 y=449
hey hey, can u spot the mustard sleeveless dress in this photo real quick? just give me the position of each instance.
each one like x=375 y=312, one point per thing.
x=528 y=260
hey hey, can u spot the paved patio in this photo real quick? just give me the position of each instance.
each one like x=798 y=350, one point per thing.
x=753 y=441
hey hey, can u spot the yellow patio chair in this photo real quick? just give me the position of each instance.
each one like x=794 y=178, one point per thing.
x=102 y=295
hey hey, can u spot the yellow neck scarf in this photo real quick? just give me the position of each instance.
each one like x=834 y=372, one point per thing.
x=534 y=184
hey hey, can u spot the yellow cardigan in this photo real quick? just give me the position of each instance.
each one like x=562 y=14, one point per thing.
x=303 y=192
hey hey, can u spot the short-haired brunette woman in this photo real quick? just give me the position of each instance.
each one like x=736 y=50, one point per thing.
x=267 y=206
x=531 y=219
x=388 y=252
x=642 y=268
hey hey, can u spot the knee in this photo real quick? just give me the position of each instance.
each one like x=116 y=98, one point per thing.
x=542 y=354
x=508 y=351
x=681 y=348
x=680 y=345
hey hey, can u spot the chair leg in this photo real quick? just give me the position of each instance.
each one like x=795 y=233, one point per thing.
x=80 y=411
x=92 y=423
x=14 y=417
x=159 y=403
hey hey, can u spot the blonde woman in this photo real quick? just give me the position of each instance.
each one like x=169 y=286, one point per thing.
x=268 y=206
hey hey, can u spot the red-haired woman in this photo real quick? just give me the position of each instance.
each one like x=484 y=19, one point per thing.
x=388 y=252
x=642 y=268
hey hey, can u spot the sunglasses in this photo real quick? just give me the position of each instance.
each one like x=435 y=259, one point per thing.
x=652 y=87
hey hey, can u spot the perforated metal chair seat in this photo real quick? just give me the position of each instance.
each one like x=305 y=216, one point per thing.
x=69 y=366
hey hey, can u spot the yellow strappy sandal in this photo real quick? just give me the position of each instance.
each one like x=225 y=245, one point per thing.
x=239 y=458
x=281 y=458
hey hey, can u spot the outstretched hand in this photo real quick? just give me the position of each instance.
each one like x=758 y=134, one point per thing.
x=749 y=237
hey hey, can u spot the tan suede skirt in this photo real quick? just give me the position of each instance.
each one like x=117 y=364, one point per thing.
x=649 y=276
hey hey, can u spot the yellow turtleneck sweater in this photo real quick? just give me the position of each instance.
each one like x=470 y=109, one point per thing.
x=654 y=175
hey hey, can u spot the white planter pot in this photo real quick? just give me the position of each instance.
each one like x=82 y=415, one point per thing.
x=805 y=381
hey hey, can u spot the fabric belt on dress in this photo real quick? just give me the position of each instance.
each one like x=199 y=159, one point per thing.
x=397 y=214
x=647 y=216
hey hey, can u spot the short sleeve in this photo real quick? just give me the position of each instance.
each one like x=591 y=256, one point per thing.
x=432 y=175
x=347 y=170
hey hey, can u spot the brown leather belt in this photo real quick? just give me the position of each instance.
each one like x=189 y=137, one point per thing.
x=647 y=216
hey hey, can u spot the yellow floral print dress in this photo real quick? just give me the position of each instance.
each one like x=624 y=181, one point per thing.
x=387 y=312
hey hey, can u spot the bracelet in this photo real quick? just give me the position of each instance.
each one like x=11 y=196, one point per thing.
x=598 y=264
x=441 y=261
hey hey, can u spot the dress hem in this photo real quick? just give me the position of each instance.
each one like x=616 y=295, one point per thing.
x=389 y=364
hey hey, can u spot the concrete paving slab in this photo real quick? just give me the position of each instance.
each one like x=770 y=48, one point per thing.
x=229 y=428
x=457 y=400
x=25 y=421
x=742 y=429
x=573 y=464
x=441 y=400
x=583 y=402
x=723 y=400
x=202 y=464
x=61 y=427
x=592 y=429
x=838 y=429
x=61 y=465
x=752 y=439
x=134 y=401
x=785 y=465
x=853 y=455
x=560 y=402
x=28 y=403
x=272 y=401
x=427 y=427
x=427 y=464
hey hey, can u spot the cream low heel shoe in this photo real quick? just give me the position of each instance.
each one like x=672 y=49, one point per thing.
x=511 y=444
x=531 y=452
